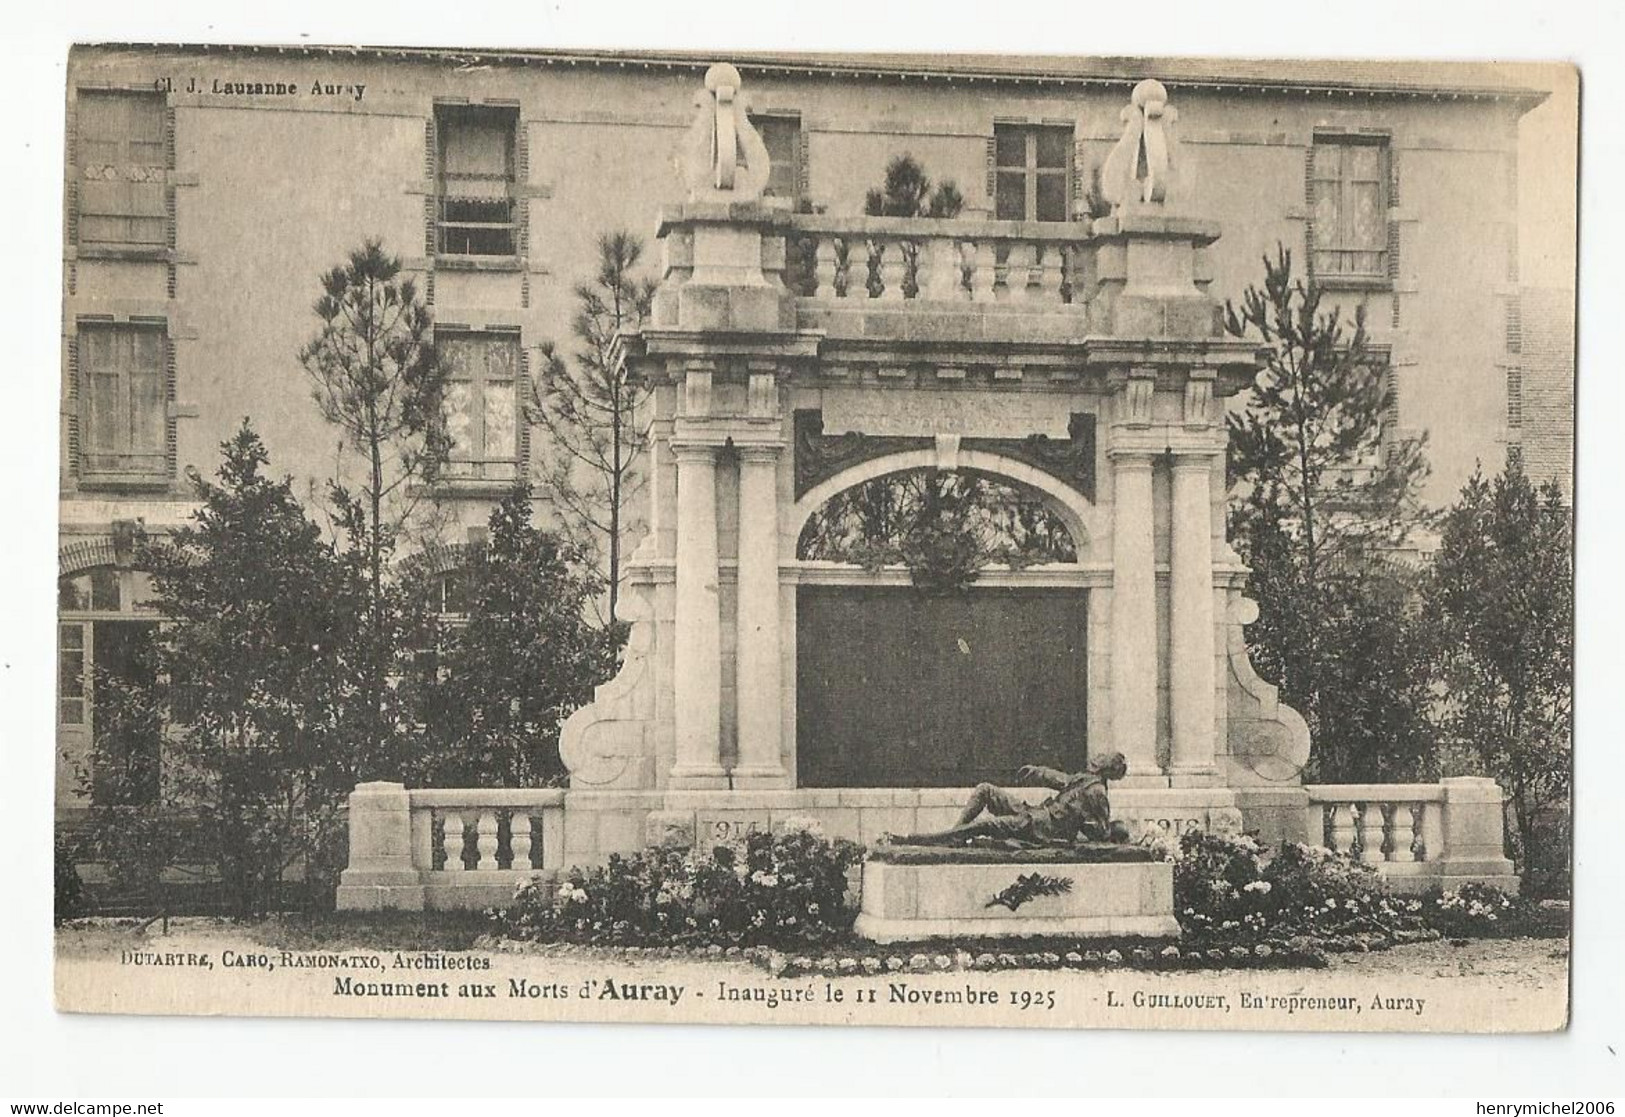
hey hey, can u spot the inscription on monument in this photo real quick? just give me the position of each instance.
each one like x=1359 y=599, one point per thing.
x=1005 y=415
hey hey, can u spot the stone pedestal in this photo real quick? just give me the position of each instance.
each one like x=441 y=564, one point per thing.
x=380 y=875
x=919 y=894
x=1473 y=835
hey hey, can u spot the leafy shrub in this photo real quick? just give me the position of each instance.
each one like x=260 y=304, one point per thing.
x=774 y=889
x=1235 y=890
x=70 y=890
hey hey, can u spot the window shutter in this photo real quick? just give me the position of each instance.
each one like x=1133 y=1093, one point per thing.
x=169 y=186
x=72 y=193
x=1080 y=178
x=521 y=158
x=171 y=423
x=1514 y=323
x=1309 y=209
x=992 y=174
x=1514 y=396
x=803 y=164
x=522 y=414
x=73 y=406
x=1392 y=176
x=429 y=174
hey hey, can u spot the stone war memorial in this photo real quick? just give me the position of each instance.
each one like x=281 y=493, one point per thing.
x=928 y=500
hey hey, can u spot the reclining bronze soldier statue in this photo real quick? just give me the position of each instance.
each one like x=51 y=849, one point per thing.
x=1078 y=812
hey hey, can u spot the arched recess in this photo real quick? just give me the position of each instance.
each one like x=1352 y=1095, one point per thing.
x=1075 y=510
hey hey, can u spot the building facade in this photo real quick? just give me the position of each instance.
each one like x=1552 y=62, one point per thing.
x=208 y=188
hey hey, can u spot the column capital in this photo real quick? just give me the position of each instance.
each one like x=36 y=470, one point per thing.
x=1132 y=457
x=1191 y=460
x=758 y=451
x=687 y=450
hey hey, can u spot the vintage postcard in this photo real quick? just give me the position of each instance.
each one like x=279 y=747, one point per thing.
x=816 y=538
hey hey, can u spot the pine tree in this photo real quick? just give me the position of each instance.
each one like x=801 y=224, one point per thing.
x=908 y=192
x=376 y=376
x=1501 y=597
x=1322 y=500
x=588 y=408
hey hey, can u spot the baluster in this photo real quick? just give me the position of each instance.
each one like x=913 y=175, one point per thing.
x=1432 y=831
x=893 y=268
x=485 y=842
x=1052 y=271
x=964 y=268
x=939 y=269
x=985 y=271
x=1012 y=271
x=1404 y=833
x=824 y=266
x=1371 y=833
x=1343 y=828
x=1032 y=256
x=454 y=841
x=519 y=839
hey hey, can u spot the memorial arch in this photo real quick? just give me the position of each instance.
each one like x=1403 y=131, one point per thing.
x=859 y=680
x=1078 y=366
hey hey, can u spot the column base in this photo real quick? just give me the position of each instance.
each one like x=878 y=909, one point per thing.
x=761 y=777
x=1144 y=780
x=1194 y=777
x=698 y=777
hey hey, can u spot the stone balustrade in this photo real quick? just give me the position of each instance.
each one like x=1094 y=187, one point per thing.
x=448 y=849
x=461 y=849
x=896 y=259
x=1417 y=836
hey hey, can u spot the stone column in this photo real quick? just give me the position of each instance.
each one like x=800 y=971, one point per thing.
x=1191 y=663
x=760 y=716
x=697 y=670
x=1134 y=615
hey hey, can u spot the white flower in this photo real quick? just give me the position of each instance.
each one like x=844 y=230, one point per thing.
x=1262 y=887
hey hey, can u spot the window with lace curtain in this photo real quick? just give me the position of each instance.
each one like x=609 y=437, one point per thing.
x=482 y=404
x=1349 y=188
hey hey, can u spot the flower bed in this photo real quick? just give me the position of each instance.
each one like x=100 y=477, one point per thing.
x=1237 y=891
x=774 y=889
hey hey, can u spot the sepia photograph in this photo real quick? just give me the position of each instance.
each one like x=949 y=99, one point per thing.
x=1002 y=541
x=793 y=538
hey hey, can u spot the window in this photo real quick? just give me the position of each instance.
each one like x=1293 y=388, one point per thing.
x=121 y=169
x=476 y=186
x=782 y=136
x=71 y=688
x=1349 y=188
x=105 y=634
x=482 y=398
x=452 y=595
x=124 y=413
x=1032 y=173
